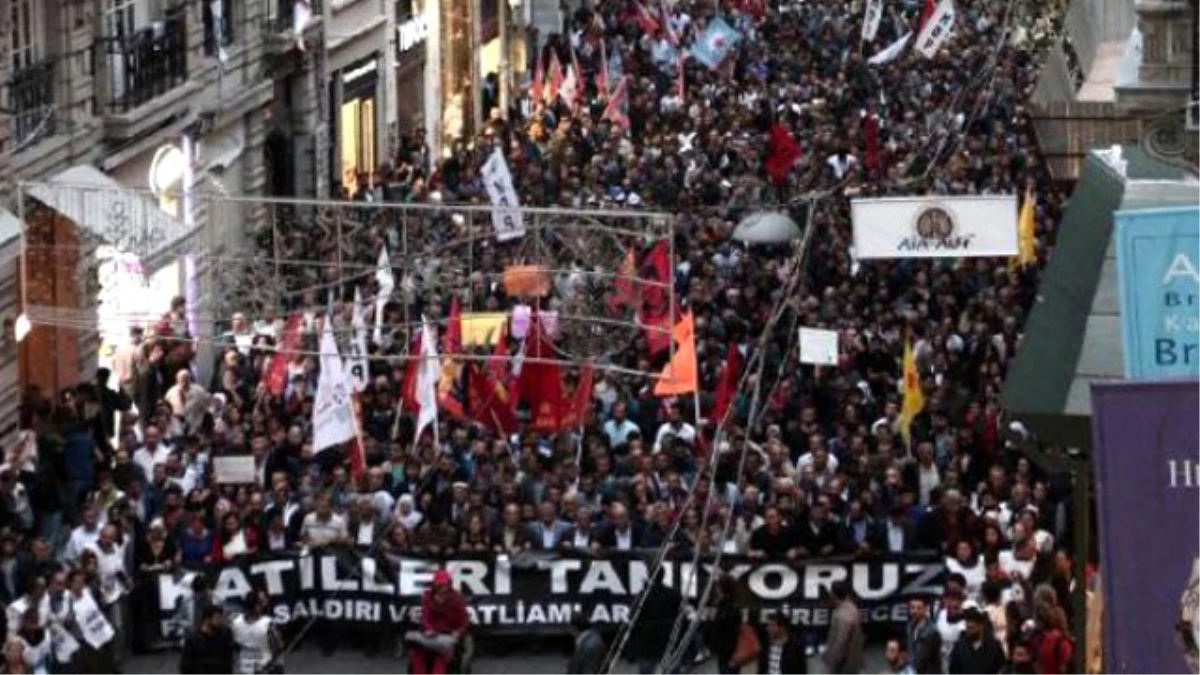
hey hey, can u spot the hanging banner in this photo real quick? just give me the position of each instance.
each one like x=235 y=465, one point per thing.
x=935 y=227
x=506 y=208
x=1145 y=444
x=1158 y=251
x=937 y=30
x=542 y=593
x=872 y=15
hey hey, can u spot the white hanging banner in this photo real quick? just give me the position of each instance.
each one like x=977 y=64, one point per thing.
x=889 y=53
x=872 y=15
x=937 y=29
x=818 y=346
x=935 y=227
x=506 y=208
x=387 y=283
x=333 y=411
x=356 y=359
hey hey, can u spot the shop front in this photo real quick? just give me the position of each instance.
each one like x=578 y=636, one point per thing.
x=412 y=34
x=355 y=100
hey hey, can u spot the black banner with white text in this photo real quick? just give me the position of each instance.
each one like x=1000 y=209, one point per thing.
x=536 y=592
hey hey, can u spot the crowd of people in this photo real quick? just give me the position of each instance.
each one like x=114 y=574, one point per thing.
x=112 y=481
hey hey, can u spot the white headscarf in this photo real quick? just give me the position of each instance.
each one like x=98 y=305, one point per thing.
x=407 y=513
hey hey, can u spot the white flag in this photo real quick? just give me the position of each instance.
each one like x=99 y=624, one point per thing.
x=387 y=283
x=506 y=208
x=890 y=52
x=569 y=89
x=333 y=412
x=872 y=15
x=356 y=360
x=937 y=29
x=427 y=378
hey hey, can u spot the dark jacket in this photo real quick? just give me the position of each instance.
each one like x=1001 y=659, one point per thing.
x=793 y=659
x=204 y=653
x=987 y=658
x=589 y=653
x=924 y=647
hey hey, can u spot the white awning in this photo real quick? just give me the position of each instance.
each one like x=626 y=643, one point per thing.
x=131 y=220
x=219 y=150
x=10 y=227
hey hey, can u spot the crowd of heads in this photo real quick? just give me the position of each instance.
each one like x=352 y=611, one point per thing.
x=825 y=471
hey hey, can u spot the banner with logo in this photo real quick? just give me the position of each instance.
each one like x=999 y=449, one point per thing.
x=937 y=29
x=506 y=208
x=872 y=15
x=1158 y=251
x=1145 y=445
x=935 y=227
x=538 y=592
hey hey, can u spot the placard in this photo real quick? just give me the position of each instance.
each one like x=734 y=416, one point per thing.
x=818 y=346
x=235 y=470
x=935 y=227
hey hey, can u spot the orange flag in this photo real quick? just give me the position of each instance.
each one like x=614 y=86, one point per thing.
x=679 y=375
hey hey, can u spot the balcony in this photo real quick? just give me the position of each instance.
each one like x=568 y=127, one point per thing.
x=29 y=106
x=144 y=65
x=288 y=23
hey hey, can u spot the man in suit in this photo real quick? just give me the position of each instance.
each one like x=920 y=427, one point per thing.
x=548 y=532
x=844 y=646
x=590 y=650
x=896 y=534
x=817 y=535
x=620 y=534
x=782 y=651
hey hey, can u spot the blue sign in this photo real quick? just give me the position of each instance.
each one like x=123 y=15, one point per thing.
x=1158 y=253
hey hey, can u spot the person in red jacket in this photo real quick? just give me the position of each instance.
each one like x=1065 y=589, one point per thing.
x=443 y=624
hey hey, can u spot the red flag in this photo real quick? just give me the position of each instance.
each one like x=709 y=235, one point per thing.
x=581 y=399
x=489 y=404
x=645 y=19
x=408 y=388
x=290 y=342
x=602 y=73
x=556 y=75
x=541 y=383
x=535 y=91
x=656 y=298
x=452 y=340
x=727 y=384
x=622 y=295
x=871 y=137
x=614 y=112
x=929 y=9
x=784 y=153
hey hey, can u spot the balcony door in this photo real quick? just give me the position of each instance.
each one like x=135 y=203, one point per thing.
x=26 y=50
x=122 y=20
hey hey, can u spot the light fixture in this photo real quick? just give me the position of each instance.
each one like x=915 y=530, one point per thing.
x=21 y=327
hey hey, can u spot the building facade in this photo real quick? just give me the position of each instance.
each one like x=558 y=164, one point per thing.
x=113 y=114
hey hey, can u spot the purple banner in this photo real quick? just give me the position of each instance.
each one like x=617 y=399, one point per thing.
x=1146 y=449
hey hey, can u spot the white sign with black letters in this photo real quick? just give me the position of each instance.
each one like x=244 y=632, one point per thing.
x=935 y=226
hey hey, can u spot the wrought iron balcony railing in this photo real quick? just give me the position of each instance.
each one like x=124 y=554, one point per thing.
x=29 y=105
x=145 y=64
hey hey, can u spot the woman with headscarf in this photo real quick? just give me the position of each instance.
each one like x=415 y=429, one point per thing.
x=407 y=513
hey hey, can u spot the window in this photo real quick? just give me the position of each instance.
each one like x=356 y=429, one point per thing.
x=26 y=43
x=29 y=91
x=218 y=26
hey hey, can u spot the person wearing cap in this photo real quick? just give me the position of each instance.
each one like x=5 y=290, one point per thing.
x=976 y=651
x=444 y=623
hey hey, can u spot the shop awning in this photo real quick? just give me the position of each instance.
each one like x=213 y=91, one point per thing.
x=130 y=220
x=1073 y=335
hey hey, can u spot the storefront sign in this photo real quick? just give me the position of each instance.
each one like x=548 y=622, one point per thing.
x=411 y=33
x=1148 y=482
x=367 y=69
x=541 y=593
x=1158 y=253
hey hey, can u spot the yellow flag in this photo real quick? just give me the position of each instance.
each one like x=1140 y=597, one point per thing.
x=914 y=398
x=1026 y=233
